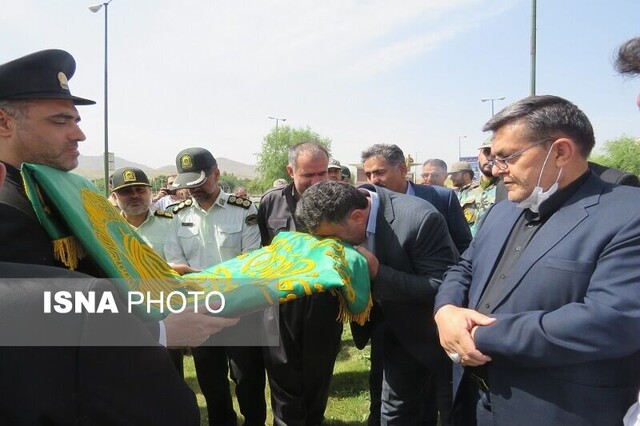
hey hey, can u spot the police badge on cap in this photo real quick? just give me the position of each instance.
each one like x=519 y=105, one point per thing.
x=129 y=176
x=40 y=75
x=194 y=166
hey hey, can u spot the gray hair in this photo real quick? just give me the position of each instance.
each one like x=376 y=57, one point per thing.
x=547 y=116
x=328 y=202
x=628 y=60
x=392 y=154
x=436 y=162
x=314 y=148
x=15 y=108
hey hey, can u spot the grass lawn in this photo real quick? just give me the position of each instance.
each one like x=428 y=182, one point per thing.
x=348 y=395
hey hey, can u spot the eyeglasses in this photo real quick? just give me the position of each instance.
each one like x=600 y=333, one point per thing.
x=503 y=163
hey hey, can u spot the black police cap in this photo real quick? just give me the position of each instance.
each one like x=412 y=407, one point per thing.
x=40 y=75
x=194 y=165
x=345 y=172
x=128 y=176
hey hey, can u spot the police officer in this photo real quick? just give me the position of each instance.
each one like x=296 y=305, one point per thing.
x=35 y=99
x=132 y=194
x=209 y=228
x=39 y=124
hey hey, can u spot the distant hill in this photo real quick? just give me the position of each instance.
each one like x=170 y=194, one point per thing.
x=91 y=167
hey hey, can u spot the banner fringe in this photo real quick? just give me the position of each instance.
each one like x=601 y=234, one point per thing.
x=68 y=251
x=346 y=316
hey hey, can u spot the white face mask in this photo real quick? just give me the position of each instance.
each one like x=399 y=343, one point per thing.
x=538 y=195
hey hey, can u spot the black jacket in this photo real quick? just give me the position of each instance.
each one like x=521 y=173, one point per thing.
x=81 y=385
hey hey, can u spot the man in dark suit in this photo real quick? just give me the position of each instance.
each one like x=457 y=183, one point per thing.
x=384 y=165
x=408 y=248
x=542 y=312
x=71 y=377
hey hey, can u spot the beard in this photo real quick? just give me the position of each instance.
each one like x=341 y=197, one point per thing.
x=485 y=170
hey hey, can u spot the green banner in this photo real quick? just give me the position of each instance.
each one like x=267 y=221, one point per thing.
x=81 y=222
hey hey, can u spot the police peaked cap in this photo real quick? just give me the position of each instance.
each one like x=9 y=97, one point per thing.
x=129 y=176
x=194 y=166
x=40 y=75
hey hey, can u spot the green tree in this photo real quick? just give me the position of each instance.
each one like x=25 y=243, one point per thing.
x=622 y=153
x=158 y=182
x=230 y=182
x=273 y=157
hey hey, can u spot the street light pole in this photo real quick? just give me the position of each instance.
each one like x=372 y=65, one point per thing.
x=459 y=149
x=277 y=119
x=95 y=9
x=492 y=101
x=533 y=47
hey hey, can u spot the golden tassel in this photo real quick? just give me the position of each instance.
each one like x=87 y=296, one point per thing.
x=346 y=316
x=68 y=251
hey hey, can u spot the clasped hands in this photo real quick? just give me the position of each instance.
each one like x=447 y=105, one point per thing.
x=457 y=327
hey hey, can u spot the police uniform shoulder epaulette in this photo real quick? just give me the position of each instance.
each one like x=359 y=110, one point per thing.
x=183 y=205
x=239 y=202
x=163 y=213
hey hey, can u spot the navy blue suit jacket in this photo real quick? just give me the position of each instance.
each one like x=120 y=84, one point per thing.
x=447 y=203
x=566 y=344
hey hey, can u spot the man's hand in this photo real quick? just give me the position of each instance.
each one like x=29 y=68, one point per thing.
x=189 y=329
x=455 y=326
x=163 y=192
x=372 y=261
x=183 y=269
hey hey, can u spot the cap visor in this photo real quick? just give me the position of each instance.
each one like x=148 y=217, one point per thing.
x=82 y=101
x=76 y=100
x=130 y=184
x=189 y=180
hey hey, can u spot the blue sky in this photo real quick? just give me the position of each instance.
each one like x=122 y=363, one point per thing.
x=409 y=72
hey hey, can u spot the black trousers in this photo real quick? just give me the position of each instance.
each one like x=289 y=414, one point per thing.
x=177 y=360
x=212 y=368
x=300 y=368
x=436 y=389
x=247 y=372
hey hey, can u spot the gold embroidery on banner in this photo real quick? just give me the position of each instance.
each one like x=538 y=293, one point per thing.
x=294 y=275
x=141 y=267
